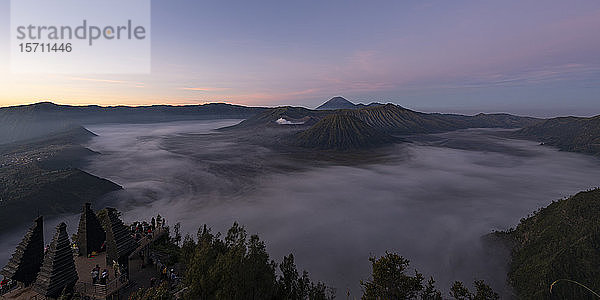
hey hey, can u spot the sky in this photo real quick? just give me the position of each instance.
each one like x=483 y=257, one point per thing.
x=519 y=56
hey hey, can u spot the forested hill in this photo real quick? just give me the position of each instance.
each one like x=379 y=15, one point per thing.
x=567 y=133
x=561 y=241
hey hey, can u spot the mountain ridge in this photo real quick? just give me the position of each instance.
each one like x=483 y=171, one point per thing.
x=24 y=122
x=43 y=173
x=575 y=134
x=388 y=119
x=340 y=102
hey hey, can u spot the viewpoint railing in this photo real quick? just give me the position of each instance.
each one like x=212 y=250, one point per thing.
x=101 y=291
x=146 y=241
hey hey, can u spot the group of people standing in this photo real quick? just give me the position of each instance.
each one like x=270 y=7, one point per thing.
x=99 y=277
x=5 y=285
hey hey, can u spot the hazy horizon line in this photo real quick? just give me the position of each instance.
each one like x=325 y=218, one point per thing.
x=550 y=113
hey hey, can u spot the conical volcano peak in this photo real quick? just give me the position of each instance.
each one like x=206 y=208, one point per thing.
x=337 y=103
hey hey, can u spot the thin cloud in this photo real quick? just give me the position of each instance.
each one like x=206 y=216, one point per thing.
x=534 y=76
x=203 y=89
x=106 y=80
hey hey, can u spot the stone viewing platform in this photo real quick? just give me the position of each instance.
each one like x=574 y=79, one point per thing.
x=106 y=259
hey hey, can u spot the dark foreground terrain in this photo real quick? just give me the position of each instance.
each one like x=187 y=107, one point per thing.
x=41 y=176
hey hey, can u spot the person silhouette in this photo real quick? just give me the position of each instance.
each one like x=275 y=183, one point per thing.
x=104 y=277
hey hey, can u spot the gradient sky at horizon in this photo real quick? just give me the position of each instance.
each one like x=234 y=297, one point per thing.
x=519 y=56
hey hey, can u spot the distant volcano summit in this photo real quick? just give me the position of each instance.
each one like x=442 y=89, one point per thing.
x=337 y=103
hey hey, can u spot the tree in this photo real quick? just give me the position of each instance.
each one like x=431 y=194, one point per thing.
x=430 y=292
x=260 y=270
x=233 y=268
x=290 y=283
x=458 y=291
x=238 y=267
x=200 y=277
x=159 y=220
x=390 y=280
x=187 y=249
x=177 y=232
x=319 y=291
x=160 y=292
x=295 y=287
x=482 y=291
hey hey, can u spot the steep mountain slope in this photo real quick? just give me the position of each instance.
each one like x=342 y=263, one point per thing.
x=398 y=120
x=342 y=132
x=560 y=241
x=42 y=176
x=270 y=116
x=337 y=103
x=567 y=133
x=20 y=127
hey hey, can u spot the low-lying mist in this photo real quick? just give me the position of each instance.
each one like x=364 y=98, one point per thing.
x=432 y=201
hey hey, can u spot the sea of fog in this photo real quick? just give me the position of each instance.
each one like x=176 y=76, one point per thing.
x=431 y=201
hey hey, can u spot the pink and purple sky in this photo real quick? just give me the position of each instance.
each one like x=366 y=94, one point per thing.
x=519 y=56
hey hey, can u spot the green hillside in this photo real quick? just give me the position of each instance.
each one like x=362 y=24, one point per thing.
x=561 y=241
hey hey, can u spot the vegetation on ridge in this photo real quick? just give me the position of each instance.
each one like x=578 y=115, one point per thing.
x=239 y=267
x=560 y=241
x=391 y=281
x=236 y=266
